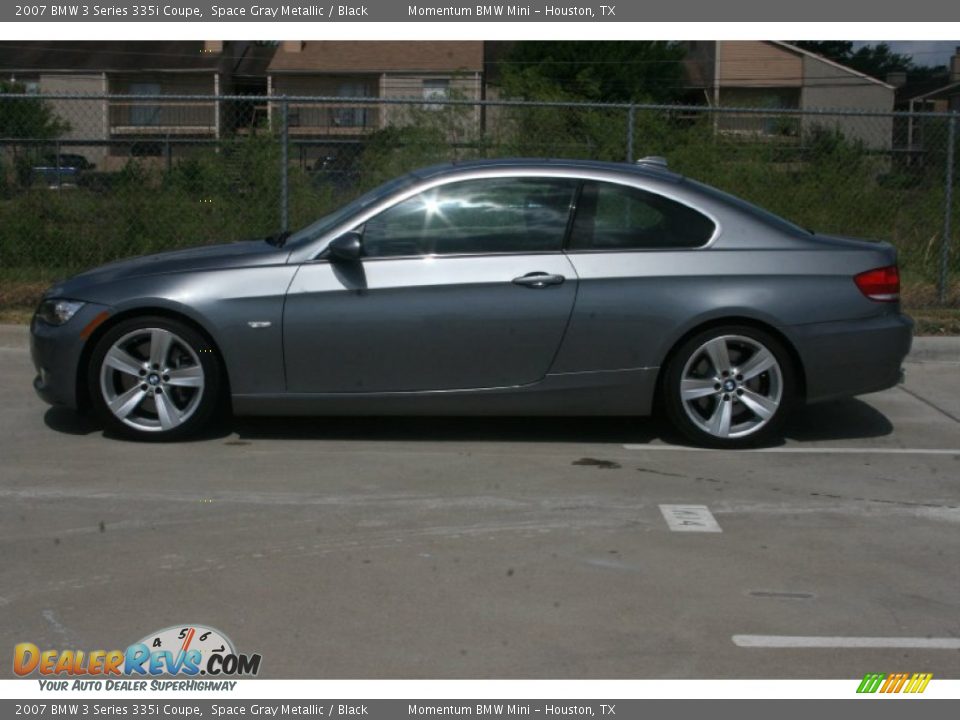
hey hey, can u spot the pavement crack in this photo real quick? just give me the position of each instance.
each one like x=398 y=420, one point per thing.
x=902 y=503
x=926 y=402
x=660 y=472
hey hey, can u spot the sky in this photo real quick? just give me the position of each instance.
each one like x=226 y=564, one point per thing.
x=932 y=52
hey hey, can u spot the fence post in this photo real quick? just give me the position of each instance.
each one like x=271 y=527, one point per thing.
x=631 y=124
x=59 y=175
x=284 y=165
x=948 y=211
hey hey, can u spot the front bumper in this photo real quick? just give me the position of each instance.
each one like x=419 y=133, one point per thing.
x=853 y=357
x=56 y=353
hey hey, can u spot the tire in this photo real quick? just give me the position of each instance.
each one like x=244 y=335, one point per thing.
x=154 y=379
x=729 y=387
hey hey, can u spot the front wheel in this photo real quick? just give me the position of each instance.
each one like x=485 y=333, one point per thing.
x=729 y=387
x=153 y=378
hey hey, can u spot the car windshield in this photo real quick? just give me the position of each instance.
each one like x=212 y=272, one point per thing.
x=328 y=222
x=759 y=213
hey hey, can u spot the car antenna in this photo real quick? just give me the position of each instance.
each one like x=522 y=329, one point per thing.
x=657 y=160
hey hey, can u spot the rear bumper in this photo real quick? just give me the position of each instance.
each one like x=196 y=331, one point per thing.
x=853 y=357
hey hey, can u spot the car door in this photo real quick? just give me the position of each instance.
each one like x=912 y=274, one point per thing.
x=463 y=285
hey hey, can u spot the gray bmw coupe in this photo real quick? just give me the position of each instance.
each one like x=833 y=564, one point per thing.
x=513 y=287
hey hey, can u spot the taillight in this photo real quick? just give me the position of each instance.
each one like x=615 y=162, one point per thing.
x=880 y=284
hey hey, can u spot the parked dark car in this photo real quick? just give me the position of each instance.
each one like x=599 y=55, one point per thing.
x=494 y=287
x=65 y=169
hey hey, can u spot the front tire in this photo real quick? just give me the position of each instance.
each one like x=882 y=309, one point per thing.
x=153 y=378
x=729 y=387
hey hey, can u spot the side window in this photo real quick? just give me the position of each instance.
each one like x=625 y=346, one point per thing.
x=146 y=112
x=495 y=215
x=616 y=217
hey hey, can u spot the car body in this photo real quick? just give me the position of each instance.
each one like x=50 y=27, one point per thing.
x=64 y=169
x=530 y=287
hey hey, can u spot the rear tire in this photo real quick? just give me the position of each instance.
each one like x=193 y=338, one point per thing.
x=154 y=379
x=729 y=387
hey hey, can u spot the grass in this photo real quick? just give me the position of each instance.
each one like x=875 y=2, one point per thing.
x=15 y=316
x=936 y=321
x=921 y=302
x=18 y=299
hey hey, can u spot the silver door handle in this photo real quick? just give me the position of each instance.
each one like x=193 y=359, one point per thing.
x=538 y=280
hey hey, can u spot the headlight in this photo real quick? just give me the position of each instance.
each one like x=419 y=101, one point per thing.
x=57 y=311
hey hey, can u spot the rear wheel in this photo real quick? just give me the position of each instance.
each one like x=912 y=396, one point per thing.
x=729 y=387
x=153 y=378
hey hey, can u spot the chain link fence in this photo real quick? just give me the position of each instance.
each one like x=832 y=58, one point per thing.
x=86 y=179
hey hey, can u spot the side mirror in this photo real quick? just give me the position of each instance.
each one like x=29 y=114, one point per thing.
x=347 y=247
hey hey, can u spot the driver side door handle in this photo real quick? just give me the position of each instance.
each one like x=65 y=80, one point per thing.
x=538 y=280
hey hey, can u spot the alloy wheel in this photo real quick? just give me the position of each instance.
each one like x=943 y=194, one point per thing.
x=152 y=380
x=731 y=386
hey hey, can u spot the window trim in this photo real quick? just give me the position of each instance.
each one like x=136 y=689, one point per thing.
x=312 y=252
x=451 y=256
x=594 y=251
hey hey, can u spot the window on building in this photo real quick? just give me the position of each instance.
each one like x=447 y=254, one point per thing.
x=351 y=116
x=436 y=90
x=145 y=113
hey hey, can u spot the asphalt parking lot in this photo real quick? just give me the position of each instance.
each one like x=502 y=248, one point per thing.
x=496 y=548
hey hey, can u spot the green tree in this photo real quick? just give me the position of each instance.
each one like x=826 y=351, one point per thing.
x=27 y=118
x=618 y=71
x=873 y=60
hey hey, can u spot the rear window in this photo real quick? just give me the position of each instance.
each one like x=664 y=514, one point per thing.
x=617 y=217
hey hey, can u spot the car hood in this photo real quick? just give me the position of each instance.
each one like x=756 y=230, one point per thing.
x=245 y=253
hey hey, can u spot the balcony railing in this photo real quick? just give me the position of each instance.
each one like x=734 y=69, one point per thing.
x=156 y=116
x=772 y=125
x=333 y=119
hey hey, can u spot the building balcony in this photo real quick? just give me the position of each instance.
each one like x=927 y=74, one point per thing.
x=331 y=119
x=156 y=117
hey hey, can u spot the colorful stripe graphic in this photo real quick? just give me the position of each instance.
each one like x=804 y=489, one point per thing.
x=894 y=682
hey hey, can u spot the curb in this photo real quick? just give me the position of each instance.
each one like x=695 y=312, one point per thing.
x=935 y=349
x=14 y=336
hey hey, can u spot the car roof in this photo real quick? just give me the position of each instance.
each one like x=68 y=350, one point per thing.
x=644 y=169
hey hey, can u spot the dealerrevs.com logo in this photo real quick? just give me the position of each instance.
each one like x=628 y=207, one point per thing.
x=894 y=683
x=178 y=651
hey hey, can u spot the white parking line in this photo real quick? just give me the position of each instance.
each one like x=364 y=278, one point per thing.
x=810 y=450
x=689 y=518
x=815 y=641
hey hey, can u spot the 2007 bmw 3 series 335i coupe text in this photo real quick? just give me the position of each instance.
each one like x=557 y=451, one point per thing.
x=510 y=287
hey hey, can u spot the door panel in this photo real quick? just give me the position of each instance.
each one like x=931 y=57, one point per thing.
x=427 y=323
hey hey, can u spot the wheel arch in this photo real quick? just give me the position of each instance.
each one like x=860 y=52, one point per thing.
x=744 y=320
x=83 y=390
